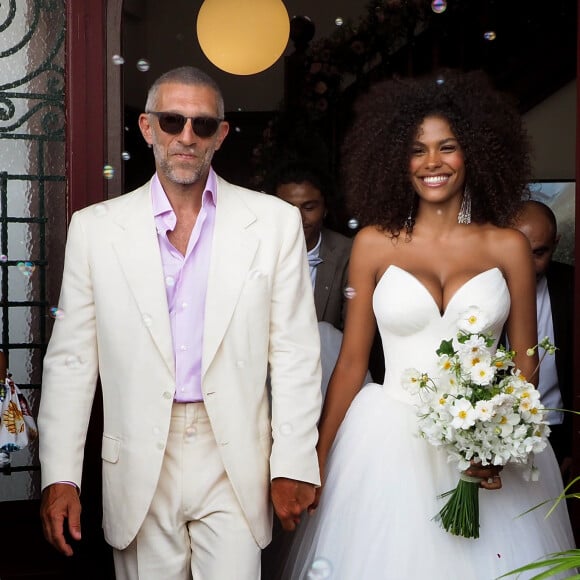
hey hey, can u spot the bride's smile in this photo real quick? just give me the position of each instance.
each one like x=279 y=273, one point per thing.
x=437 y=165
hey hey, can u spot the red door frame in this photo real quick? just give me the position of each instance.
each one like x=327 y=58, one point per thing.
x=85 y=102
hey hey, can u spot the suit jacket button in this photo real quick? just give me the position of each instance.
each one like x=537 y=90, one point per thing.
x=167 y=395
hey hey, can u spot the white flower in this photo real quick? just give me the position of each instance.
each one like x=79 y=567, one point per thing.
x=531 y=412
x=505 y=422
x=483 y=410
x=447 y=383
x=472 y=320
x=475 y=344
x=456 y=413
x=463 y=414
x=482 y=373
x=528 y=393
x=502 y=360
x=411 y=381
x=446 y=363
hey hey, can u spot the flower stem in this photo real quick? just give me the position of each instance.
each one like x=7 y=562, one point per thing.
x=460 y=515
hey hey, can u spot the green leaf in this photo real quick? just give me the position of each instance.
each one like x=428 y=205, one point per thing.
x=559 y=562
x=446 y=347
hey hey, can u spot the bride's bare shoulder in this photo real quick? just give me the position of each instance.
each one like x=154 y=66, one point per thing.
x=505 y=238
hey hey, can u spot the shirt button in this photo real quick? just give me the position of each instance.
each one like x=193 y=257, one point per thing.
x=183 y=347
x=184 y=305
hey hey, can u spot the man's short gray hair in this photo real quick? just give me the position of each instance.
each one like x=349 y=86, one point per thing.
x=187 y=75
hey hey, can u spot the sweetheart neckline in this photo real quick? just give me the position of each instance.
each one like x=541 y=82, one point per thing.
x=433 y=301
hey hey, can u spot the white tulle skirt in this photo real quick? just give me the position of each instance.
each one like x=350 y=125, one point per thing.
x=375 y=518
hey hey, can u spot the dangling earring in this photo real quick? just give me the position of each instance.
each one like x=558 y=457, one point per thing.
x=409 y=222
x=464 y=215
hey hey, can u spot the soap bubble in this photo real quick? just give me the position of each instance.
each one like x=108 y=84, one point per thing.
x=286 y=429
x=56 y=313
x=26 y=268
x=143 y=65
x=321 y=569
x=439 y=6
x=73 y=362
x=349 y=293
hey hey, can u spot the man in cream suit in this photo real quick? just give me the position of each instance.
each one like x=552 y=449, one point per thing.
x=179 y=295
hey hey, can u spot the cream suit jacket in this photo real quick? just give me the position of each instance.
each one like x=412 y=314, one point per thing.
x=259 y=310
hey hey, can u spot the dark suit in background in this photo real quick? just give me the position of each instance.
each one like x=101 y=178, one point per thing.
x=560 y=278
x=332 y=278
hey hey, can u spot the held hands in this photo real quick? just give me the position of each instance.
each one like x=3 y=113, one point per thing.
x=290 y=499
x=60 y=502
x=489 y=475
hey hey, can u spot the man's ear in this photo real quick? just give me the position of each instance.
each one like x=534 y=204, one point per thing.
x=145 y=127
x=223 y=131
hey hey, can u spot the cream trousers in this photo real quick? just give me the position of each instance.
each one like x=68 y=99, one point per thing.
x=195 y=528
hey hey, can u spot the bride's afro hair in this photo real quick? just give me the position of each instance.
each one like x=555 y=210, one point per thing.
x=376 y=149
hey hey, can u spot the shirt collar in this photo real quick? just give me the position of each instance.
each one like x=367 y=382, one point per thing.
x=162 y=210
x=315 y=252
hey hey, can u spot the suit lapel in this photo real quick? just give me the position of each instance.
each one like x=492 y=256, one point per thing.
x=324 y=276
x=233 y=249
x=137 y=250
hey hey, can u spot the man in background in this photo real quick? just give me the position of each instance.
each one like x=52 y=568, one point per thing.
x=309 y=189
x=554 y=304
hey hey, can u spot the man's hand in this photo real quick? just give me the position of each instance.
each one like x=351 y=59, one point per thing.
x=60 y=502
x=290 y=499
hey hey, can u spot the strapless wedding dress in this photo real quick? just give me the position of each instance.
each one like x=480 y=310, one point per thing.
x=375 y=518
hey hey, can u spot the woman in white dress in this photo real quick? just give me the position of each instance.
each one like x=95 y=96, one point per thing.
x=436 y=170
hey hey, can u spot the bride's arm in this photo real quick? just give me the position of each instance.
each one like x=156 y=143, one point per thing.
x=352 y=365
x=521 y=325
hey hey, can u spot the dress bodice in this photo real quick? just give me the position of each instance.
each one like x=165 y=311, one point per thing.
x=412 y=326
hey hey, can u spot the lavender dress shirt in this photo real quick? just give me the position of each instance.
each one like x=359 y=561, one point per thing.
x=186 y=285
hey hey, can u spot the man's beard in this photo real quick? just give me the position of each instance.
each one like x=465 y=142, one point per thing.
x=181 y=176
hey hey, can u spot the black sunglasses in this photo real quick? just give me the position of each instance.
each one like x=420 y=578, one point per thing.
x=173 y=123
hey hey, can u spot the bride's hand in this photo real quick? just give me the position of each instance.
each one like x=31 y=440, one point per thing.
x=489 y=475
x=318 y=491
x=312 y=507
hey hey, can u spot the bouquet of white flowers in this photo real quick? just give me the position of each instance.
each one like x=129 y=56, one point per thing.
x=481 y=409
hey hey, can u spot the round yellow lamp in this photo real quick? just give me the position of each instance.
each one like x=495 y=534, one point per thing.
x=243 y=37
